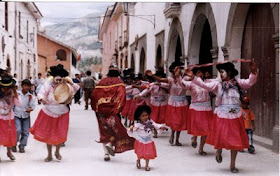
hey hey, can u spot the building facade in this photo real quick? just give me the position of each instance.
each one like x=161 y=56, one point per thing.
x=19 y=24
x=198 y=33
x=52 y=52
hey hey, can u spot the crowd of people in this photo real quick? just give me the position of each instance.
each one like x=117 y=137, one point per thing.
x=148 y=105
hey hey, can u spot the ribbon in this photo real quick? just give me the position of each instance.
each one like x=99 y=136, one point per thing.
x=215 y=63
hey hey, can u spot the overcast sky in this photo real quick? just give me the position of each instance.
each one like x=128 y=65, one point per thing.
x=63 y=11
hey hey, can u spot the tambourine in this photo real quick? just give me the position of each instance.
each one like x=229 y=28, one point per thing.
x=62 y=93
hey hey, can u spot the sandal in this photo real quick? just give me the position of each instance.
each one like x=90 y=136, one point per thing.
x=171 y=140
x=219 y=159
x=147 y=168
x=178 y=143
x=202 y=153
x=48 y=159
x=138 y=164
x=234 y=170
x=11 y=156
x=194 y=144
x=58 y=156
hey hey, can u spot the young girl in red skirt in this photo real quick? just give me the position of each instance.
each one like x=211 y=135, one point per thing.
x=200 y=112
x=8 y=98
x=228 y=129
x=158 y=100
x=177 y=108
x=142 y=131
x=51 y=125
x=129 y=97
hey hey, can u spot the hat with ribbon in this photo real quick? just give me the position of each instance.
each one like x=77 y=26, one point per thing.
x=228 y=66
x=7 y=81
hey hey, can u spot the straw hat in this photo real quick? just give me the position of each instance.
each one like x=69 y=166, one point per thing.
x=62 y=93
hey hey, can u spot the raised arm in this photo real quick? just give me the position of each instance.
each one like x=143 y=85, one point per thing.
x=247 y=83
x=149 y=73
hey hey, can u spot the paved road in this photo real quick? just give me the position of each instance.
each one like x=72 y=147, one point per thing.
x=82 y=156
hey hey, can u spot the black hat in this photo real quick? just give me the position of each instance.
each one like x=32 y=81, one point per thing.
x=160 y=72
x=7 y=81
x=58 y=71
x=195 y=69
x=140 y=110
x=175 y=64
x=138 y=76
x=228 y=66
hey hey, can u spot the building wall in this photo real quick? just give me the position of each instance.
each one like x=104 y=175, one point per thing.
x=47 y=49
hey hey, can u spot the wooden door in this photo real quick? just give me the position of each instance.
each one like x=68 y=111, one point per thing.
x=258 y=44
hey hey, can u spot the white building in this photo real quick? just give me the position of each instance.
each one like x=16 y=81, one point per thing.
x=198 y=33
x=19 y=23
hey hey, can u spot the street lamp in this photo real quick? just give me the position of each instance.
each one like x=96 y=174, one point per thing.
x=126 y=8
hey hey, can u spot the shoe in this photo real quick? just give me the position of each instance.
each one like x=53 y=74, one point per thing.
x=171 y=140
x=251 y=149
x=21 y=150
x=11 y=156
x=58 y=156
x=194 y=143
x=178 y=143
x=234 y=170
x=138 y=164
x=14 y=149
x=219 y=159
x=110 y=149
x=106 y=157
x=48 y=159
x=147 y=168
x=62 y=145
x=202 y=153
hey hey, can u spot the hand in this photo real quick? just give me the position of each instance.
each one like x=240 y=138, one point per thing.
x=253 y=67
x=149 y=73
x=189 y=73
x=43 y=101
x=177 y=71
x=28 y=110
x=136 y=97
x=68 y=80
x=131 y=127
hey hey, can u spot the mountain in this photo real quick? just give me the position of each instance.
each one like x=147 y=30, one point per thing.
x=81 y=34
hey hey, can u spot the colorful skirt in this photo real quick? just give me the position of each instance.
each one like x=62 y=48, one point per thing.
x=229 y=134
x=176 y=117
x=8 y=133
x=111 y=130
x=145 y=151
x=126 y=108
x=158 y=113
x=199 y=122
x=50 y=130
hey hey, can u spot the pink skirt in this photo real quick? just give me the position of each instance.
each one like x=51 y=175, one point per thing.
x=229 y=134
x=145 y=151
x=126 y=108
x=50 y=130
x=199 y=122
x=158 y=113
x=176 y=117
x=8 y=133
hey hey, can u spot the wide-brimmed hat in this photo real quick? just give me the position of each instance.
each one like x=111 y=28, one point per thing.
x=160 y=72
x=195 y=69
x=175 y=64
x=228 y=66
x=138 y=76
x=58 y=71
x=7 y=81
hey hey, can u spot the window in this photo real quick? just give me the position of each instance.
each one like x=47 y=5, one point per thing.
x=61 y=55
x=6 y=16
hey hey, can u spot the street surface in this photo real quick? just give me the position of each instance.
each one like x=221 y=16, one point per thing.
x=82 y=156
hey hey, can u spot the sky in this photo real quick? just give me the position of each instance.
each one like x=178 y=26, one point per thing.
x=54 y=12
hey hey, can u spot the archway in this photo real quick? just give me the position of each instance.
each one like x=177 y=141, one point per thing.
x=203 y=36
x=175 y=42
x=142 y=61
x=159 y=61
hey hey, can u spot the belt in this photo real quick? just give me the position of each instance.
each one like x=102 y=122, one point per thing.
x=229 y=108
x=178 y=98
x=202 y=104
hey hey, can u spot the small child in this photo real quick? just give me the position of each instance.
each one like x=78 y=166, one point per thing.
x=142 y=131
x=22 y=115
x=249 y=120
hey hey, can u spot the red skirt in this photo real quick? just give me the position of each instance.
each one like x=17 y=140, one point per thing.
x=158 y=113
x=126 y=108
x=229 y=134
x=50 y=130
x=176 y=117
x=133 y=107
x=8 y=133
x=199 y=122
x=145 y=151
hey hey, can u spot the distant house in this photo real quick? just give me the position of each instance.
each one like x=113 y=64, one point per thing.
x=52 y=52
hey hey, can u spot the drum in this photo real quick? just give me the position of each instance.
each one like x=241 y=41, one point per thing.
x=62 y=93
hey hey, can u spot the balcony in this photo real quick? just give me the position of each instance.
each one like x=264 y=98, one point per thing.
x=172 y=10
